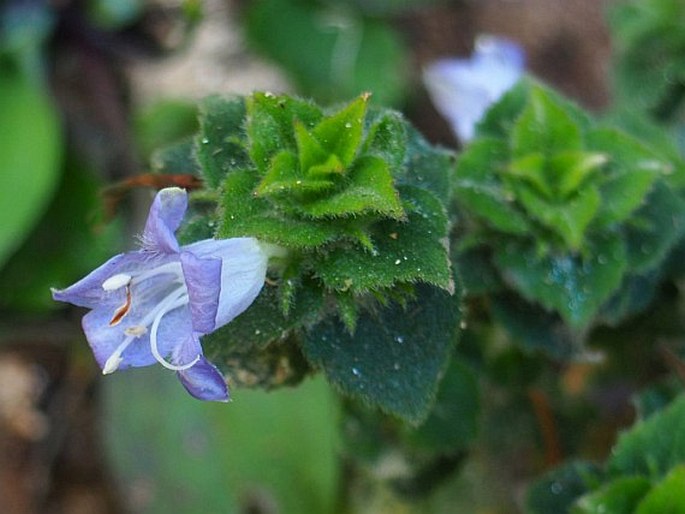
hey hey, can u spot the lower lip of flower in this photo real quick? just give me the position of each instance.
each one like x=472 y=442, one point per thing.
x=175 y=299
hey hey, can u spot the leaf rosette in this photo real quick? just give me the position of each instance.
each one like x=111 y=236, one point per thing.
x=568 y=210
x=352 y=204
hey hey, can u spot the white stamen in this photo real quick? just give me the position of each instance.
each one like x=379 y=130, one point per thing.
x=116 y=281
x=173 y=268
x=174 y=301
x=112 y=363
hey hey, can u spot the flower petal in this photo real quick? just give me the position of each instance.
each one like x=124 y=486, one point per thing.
x=88 y=291
x=203 y=280
x=463 y=89
x=166 y=214
x=243 y=270
x=203 y=381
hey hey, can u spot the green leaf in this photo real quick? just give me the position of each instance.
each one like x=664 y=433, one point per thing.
x=164 y=123
x=315 y=161
x=220 y=145
x=667 y=497
x=30 y=157
x=558 y=489
x=387 y=137
x=178 y=158
x=264 y=323
x=574 y=286
x=544 y=126
x=245 y=215
x=499 y=120
x=530 y=169
x=342 y=54
x=285 y=178
x=571 y=170
x=395 y=358
x=53 y=256
x=531 y=327
x=453 y=422
x=370 y=190
x=270 y=124
x=653 y=446
x=427 y=167
x=655 y=229
x=341 y=133
x=409 y=251
x=632 y=169
x=198 y=453
x=569 y=219
x=478 y=187
x=619 y=496
x=478 y=274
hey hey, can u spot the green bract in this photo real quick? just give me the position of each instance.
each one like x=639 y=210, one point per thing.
x=568 y=209
x=351 y=203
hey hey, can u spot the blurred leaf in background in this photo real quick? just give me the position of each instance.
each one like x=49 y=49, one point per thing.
x=332 y=52
x=31 y=138
x=264 y=452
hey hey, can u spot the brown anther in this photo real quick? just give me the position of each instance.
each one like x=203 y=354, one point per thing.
x=123 y=310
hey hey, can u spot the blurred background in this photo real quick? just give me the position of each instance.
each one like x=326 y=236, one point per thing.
x=88 y=90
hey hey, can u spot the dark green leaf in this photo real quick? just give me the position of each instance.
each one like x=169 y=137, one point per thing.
x=533 y=328
x=220 y=144
x=411 y=251
x=655 y=229
x=396 y=356
x=428 y=167
x=558 y=489
x=453 y=422
x=387 y=137
x=264 y=322
x=177 y=158
x=574 y=286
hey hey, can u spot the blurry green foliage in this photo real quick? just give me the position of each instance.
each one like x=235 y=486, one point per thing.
x=70 y=239
x=30 y=156
x=650 y=56
x=571 y=209
x=644 y=474
x=331 y=51
x=174 y=454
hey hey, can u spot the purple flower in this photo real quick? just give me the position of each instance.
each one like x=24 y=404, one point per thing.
x=463 y=89
x=152 y=305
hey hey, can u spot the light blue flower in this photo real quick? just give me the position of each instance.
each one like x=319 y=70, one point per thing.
x=153 y=305
x=462 y=90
